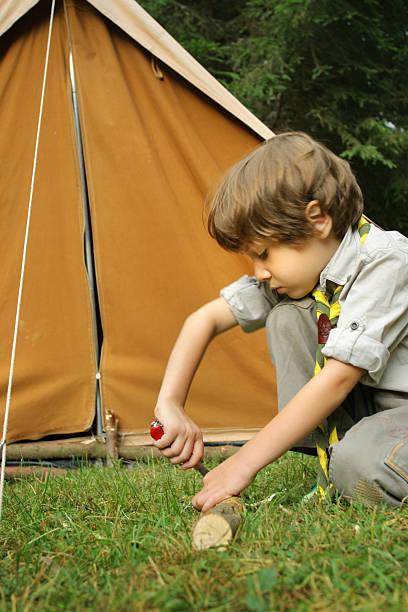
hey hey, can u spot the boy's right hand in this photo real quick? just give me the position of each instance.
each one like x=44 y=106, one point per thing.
x=182 y=441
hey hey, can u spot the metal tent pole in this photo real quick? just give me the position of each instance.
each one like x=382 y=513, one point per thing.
x=88 y=250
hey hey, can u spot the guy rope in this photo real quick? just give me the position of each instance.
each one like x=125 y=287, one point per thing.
x=3 y=444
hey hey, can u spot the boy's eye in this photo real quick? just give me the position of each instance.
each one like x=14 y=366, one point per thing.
x=263 y=255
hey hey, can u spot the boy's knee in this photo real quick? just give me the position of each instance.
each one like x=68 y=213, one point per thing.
x=370 y=464
x=291 y=333
x=289 y=318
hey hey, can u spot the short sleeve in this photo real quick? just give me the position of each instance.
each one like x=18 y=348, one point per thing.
x=373 y=321
x=249 y=302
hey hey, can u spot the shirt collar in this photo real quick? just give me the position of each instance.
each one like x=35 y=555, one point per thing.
x=340 y=267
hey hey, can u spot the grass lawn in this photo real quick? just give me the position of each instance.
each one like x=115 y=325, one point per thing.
x=119 y=539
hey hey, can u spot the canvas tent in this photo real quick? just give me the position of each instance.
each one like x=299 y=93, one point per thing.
x=154 y=132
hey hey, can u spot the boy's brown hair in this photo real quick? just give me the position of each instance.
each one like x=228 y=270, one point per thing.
x=265 y=194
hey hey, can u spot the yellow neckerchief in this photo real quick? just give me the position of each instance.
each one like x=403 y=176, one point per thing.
x=328 y=311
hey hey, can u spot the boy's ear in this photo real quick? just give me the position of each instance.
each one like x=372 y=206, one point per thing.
x=320 y=220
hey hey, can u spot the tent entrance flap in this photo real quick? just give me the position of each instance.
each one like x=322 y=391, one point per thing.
x=55 y=367
x=88 y=251
x=153 y=149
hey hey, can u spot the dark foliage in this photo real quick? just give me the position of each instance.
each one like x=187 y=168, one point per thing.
x=336 y=70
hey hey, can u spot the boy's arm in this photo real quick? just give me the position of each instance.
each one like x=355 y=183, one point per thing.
x=182 y=440
x=310 y=406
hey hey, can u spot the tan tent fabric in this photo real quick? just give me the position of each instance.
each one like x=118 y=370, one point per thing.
x=134 y=20
x=153 y=148
x=140 y=26
x=154 y=259
x=54 y=381
x=11 y=11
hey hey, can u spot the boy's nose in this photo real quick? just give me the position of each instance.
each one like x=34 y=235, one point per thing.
x=261 y=273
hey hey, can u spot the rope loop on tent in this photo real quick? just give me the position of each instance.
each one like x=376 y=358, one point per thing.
x=154 y=62
x=3 y=444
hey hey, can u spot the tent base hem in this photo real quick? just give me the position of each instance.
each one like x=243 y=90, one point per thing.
x=95 y=448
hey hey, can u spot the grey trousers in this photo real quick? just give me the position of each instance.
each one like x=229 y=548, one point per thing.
x=370 y=462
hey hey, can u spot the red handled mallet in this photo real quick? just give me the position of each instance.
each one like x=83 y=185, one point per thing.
x=156 y=431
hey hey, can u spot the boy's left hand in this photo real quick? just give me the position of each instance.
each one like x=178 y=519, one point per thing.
x=226 y=480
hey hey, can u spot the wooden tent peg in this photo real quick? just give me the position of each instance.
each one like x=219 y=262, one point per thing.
x=111 y=429
x=219 y=525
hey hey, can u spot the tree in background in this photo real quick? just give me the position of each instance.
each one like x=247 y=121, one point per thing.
x=336 y=70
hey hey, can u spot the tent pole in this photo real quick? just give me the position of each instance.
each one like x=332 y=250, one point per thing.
x=88 y=251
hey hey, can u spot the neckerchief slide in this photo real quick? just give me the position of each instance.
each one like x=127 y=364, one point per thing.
x=328 y=312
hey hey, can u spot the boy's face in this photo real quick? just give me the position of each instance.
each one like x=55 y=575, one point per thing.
x=294 y=270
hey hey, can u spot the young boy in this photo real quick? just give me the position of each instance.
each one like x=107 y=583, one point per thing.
x=296 y=209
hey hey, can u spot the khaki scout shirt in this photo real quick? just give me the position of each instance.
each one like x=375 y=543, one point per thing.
x=372 y=330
